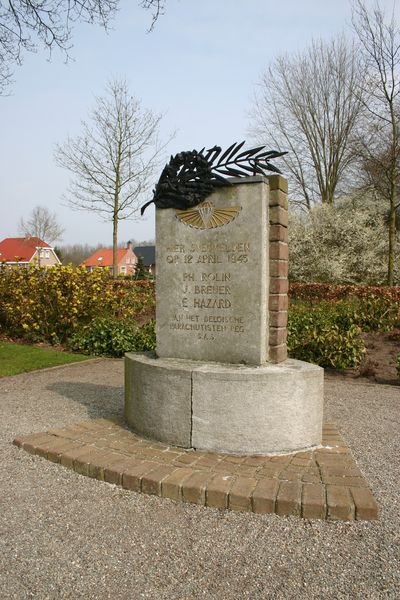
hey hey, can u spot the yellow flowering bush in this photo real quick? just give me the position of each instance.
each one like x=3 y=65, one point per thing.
x=49 y=304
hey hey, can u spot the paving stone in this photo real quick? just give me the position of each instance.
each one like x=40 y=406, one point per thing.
x=151 y=482
x=292 y=474
x=344 y=480
x=124 y=444
x=365 y=504
x=218 y=489
x=55 y=452
x=132 y=476
x=300 y=462
x=83 y=461
x=254 y=461
x=207 y=462
x=314 y=501
x=238 y=460
x=32 y=442
x=340 y=503
x=282 y=460
x=103 y=460
x=308 y=454
x=310 y=478
x=241 y=492
x=54 y=447
x=288 y=501
x=171 y=486
x=194 y=487
x=230 y=468
x=113 y=472
x=67 y=458
x=186 y=459
x=244 y=471
x=316 y=484
x=264 y=496
x=334 y=471
x=270 y=471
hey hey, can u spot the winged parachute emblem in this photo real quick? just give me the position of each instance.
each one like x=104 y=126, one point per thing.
x=191 y=176
x=206 y=216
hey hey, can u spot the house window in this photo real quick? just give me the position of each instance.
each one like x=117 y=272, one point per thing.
x=123 y=269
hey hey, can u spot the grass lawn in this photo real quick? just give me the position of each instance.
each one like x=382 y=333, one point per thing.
x=21 y=358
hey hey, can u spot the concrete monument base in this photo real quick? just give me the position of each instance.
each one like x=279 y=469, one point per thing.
x=272 y=408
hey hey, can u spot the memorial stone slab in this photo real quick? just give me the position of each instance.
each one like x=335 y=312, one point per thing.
x=213 y=276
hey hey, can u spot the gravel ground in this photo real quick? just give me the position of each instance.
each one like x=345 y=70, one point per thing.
x=67 y=536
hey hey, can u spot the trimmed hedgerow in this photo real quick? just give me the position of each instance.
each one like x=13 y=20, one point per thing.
x=317 y=292
x=48 y=305
x=111 y=337
x=318 y=334
x=326 y=321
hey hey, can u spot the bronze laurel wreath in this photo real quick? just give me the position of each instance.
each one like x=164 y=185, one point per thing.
x=191 y=176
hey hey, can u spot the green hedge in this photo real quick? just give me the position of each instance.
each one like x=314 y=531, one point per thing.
x=329 y=333
x=112 y=337
x=48 y=305
x=317 y=335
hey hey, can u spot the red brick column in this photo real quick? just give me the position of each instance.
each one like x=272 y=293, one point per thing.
x=278 y=268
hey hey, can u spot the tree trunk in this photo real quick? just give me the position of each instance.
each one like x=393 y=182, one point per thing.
x=115 y=244
x=392 y=245
x=393 y=196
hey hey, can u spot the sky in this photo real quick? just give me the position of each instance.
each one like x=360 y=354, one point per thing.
x=199 y=67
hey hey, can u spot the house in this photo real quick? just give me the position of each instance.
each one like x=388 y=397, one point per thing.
x=27 y=251
x=103 y=257
x=148 y=254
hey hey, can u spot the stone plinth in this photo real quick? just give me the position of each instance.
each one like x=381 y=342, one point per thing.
x=225 y=408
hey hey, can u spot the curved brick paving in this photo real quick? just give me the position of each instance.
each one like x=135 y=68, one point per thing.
x=324 y=483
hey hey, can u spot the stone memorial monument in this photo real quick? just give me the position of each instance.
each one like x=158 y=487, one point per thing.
x=220 y=379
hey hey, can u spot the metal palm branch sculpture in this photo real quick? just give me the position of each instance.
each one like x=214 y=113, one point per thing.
x=191 y=176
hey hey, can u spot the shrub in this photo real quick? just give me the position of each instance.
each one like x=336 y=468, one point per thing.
x=315 y=292
x=129 y=298
x=48 y=305
x=145 y=338
x=328 y=333
x=319 y=335
x=110 y=337
x=369 y=314
x=347 y=243
x=370 y=308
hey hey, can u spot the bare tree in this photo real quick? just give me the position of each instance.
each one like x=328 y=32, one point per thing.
x=113 y=161
x=157 y=7
x=76 y=253
x=306 y=105
x=379 y=143
x=41 y=223
x=26 y=25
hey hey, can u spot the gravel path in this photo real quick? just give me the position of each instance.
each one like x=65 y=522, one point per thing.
x=67 y=536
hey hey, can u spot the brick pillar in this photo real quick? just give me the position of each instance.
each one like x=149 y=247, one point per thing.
x=278 y=268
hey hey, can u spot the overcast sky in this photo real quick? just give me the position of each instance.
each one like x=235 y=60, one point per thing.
x=199 y=66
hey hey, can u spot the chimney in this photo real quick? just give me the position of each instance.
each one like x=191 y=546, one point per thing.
x=129 y=245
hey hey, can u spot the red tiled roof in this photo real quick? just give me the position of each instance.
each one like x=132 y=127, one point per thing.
x=23 y=248
x=107 y=258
